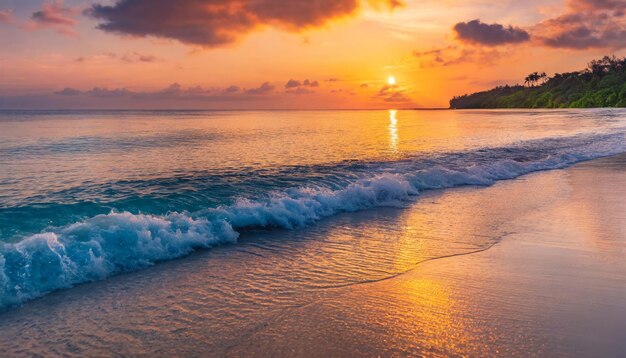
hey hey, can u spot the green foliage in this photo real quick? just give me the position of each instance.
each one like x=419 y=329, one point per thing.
x=602 y=84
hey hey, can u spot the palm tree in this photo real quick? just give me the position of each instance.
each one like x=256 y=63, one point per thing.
x=532 y=79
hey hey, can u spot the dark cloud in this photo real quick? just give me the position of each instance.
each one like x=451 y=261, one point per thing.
x=579 y=37
x=264 y=88
x=213 y=23
x=476 y=32
x=293 y=84
x=54 y=15
x=586 y=24
x=300 y=87
x=308 y=83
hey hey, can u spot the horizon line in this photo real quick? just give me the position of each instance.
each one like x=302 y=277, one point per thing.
x=229 y=109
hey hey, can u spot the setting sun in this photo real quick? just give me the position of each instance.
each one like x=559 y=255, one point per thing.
x=391 y=80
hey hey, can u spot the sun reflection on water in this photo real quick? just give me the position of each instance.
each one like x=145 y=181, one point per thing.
x=393 y=131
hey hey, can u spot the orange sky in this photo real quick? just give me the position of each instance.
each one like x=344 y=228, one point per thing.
x=242 y=53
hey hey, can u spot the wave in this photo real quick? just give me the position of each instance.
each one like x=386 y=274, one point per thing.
x=108 y=244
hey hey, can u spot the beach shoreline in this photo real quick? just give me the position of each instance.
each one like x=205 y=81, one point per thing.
x=552 y=286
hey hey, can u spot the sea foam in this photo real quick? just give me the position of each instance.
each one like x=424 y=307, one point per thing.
x=104 y=245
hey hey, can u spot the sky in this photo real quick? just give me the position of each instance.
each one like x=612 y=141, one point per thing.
x=289 y=54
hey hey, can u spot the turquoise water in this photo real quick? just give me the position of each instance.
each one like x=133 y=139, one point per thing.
x=87 y=194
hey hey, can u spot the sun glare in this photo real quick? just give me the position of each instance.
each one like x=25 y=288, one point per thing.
x=391 y=80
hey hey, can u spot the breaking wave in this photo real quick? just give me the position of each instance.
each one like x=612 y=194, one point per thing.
x=104 y=245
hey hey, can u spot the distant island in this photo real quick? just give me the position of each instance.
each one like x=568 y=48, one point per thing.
x=601 y=84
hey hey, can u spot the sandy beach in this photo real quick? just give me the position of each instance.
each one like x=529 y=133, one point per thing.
x=531 y=266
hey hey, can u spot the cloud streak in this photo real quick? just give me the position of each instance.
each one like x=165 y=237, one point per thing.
x=173 y=91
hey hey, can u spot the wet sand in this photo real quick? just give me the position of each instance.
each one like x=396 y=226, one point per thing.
x=533 y=266
x=555 y=286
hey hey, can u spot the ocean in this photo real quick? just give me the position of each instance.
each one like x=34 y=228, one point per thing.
x=86 y=195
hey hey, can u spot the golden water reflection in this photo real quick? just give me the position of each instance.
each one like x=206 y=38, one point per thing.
x=393 y=131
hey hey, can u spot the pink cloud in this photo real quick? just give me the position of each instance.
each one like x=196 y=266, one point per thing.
x=55 y=16
x=586 y=24
x=6 y=16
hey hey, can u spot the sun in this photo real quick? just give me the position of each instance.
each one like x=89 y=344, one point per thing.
x=391 y=80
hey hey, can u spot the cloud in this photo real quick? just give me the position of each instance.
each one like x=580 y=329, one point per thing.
x=231 y=89
x=136 y=57
x=107 y=93
x=6 y=16
x=54 y=15
x=95 y=92
x=292 y=84
x=212 y=23
x=435 y=55
x=595 y=5
x=170 y=97
x=586 y=24
x=298 y=84
x=476 y=32
x=300 y=90
x=453 y=55
x=128 y=57
x=397 y=97
x=68 y=92
x=392 y=93
x=174 y=91
x=308 y=83
x=264 y=88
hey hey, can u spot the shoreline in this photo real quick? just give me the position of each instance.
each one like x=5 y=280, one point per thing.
x=556 y=295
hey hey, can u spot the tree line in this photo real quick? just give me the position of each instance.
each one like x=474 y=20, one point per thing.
x=601 y=84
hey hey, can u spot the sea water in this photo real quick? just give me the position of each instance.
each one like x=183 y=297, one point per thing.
x=88 y=194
